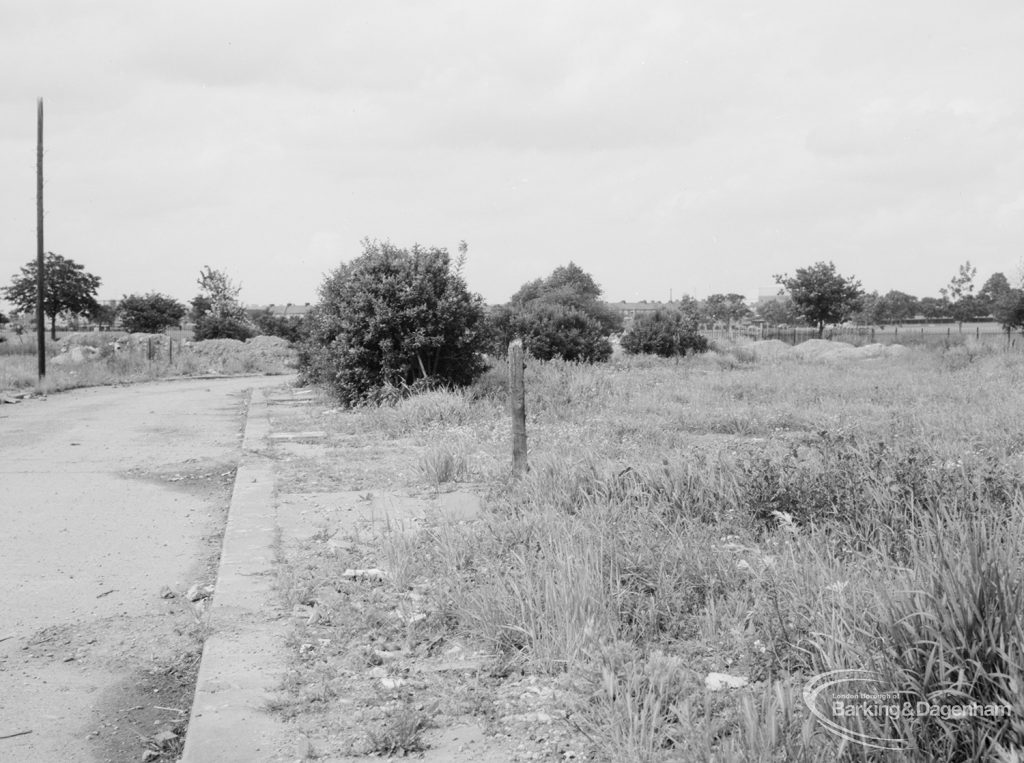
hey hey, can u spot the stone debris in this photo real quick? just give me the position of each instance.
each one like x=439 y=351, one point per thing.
x=373 y=573
x=720 y=681
x=197 y=592
x=164 y=738
x=76 y=354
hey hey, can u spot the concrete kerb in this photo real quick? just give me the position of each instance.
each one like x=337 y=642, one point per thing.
x=244 y=656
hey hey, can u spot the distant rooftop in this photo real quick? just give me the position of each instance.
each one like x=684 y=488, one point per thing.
x=286 y=310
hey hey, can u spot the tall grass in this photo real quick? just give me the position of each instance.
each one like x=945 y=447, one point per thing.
x=19 y=366
x=769 y=518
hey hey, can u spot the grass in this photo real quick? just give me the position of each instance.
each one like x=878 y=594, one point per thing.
x=771 y=519
x=19 y=365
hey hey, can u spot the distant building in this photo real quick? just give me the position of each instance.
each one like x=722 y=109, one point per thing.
x=630 y=311
x=768 y=294
x=288 y=310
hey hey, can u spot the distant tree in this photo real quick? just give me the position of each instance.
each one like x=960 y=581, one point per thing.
x=4 y=319
x=1008 y=309
x=150 y=313
x=665 y=333
x=932 y=308
x=960 y=285
x=867 y=313
x=822 y=296
x=959 y=293
x=217 y=312
x=994 y=289
x=560 y=316
x=19 y=324
x=394 y=318
x=571 y=282
x=200 y=305
x=692 y=310
x=779 y=312
x=551 y=330
x=287 y=327
x=221 y=293
x=69 y=289
x=726 y=308
x=895 y=307
x=105 y=315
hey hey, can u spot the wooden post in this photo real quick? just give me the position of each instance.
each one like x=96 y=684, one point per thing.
x=517 y=395
x=40 y=266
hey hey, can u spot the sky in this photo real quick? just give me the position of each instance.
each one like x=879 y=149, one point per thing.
x=685 y=147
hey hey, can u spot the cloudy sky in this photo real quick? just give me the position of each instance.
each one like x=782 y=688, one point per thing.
x=696 y=145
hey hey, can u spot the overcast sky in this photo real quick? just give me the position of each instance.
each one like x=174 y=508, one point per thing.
x=697 y=145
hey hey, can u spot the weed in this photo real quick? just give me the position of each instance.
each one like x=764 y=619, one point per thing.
x=399 y=734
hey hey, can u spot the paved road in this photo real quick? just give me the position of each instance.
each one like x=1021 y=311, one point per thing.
x=105 y=496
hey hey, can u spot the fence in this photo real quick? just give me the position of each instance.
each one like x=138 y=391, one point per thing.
x=918 y=334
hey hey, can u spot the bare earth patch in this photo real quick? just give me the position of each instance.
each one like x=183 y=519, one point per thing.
x=376 y=669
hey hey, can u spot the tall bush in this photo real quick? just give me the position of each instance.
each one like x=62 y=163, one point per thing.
x=394 y=318
x=666 y=333
x=560 y=316
x=217 y=311
x=150 y=313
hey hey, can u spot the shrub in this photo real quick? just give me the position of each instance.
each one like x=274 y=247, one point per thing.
x=550 y=331
x=216 y=310
x=393 y=319
x=213 y=327
x=557 y=317
x=149 y=314
x=666 y=333
x=292 y=328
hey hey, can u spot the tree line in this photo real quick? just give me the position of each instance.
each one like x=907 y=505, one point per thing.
x=396 y=319
x=70 y=292
x=819 y=294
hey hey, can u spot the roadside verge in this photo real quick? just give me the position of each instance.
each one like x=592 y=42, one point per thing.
x=243 y=656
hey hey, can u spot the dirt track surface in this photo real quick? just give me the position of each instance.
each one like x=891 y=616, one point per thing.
x=106 y=496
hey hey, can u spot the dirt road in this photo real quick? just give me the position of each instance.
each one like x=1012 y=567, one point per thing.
x=106 y=496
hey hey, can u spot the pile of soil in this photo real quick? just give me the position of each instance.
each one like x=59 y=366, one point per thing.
x=268 y=353
x=825 y=350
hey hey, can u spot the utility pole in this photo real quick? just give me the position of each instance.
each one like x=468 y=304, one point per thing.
x=40 y=271
x=517 y=394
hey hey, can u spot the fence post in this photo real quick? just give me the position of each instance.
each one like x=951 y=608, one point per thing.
x=977 y=332
x=517 y=394
x=872 y=335
x=170 y=349
x=149 y=352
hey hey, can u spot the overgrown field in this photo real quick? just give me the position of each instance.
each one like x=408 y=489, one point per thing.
x=770 y=518
x=136 y=357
